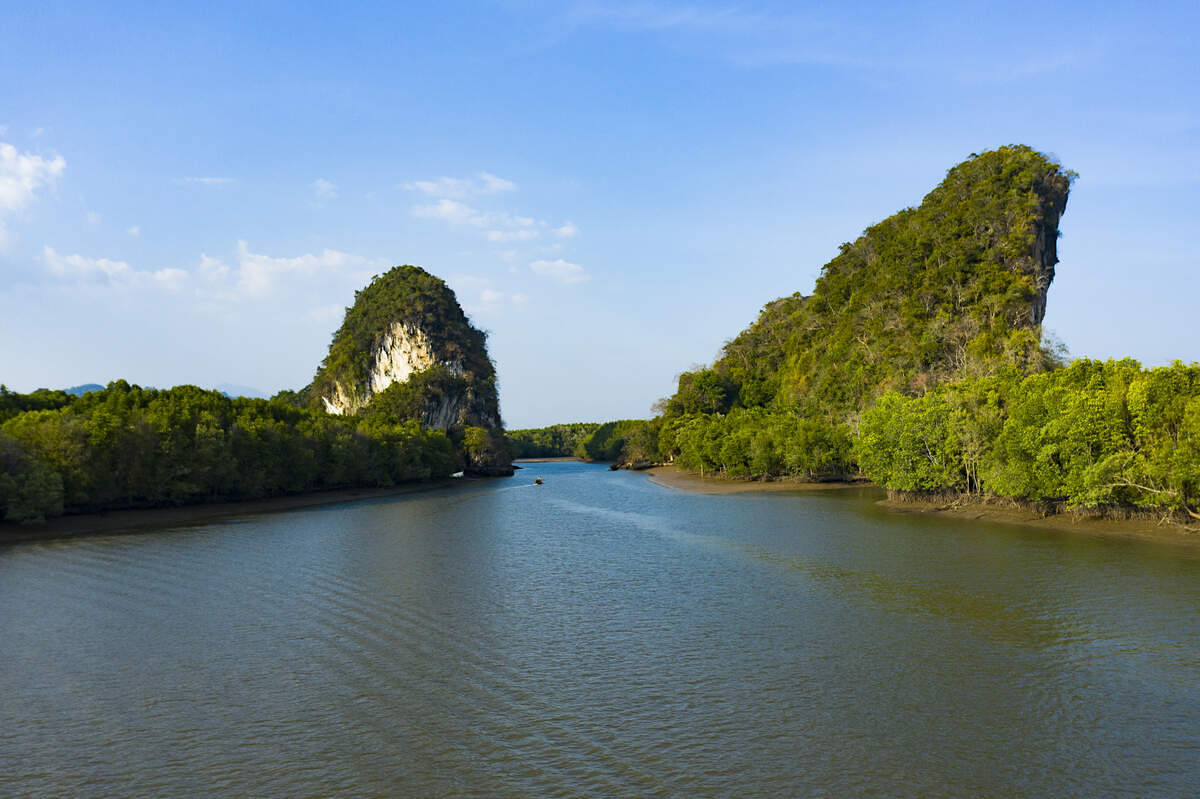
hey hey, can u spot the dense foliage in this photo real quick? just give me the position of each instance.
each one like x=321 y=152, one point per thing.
x=757 y=443
x=127 y=446
x=629 y=441
x=12 y=403
x=1093 y=435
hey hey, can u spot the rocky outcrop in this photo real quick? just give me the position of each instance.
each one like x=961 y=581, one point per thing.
x=406 y=350
x=401 y=351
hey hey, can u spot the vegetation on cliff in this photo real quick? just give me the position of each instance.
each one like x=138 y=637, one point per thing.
x=952 y=289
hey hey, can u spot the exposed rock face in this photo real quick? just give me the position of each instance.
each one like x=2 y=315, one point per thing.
x=402 y=350
x=1045 y=250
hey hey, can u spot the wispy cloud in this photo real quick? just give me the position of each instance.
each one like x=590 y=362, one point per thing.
x=478 y=295
x=462 y=188
x=134 y=230
x=563 y=271
x=324 y=189
x=253 y=276
x=503 y=236
x=81 y=268
x=22 y=175
x=258 y=274
x=206 y=181
x=498 y=226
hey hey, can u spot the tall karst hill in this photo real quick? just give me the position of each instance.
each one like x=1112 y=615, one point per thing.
x=954 y=288
x=406 y=350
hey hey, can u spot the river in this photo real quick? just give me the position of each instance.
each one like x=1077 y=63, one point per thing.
x=599 y=635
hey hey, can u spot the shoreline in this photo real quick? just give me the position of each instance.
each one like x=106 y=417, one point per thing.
x=998 y=513
x=131 y=520
x=559 y=459
x=692 y=483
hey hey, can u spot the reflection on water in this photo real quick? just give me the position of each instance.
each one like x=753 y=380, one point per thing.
x=599 y=635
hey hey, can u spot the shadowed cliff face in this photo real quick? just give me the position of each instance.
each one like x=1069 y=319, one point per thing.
x=1045 y=247
x=406 y=350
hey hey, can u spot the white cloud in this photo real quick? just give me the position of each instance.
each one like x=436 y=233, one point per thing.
x=495 y=185
x=458 y=213
x=501 y=236
x=93 y=217
x=478 y=296
x=451 y=211
x=324 y=189
x=212 y=269
x=560 y=270
x=21 y=176
x=81 y=268
x=498 y=226
x=461 y=188
x=258 y=273
x=134 y=230
x=255 y=276
x=207 y=181
x=566 y=230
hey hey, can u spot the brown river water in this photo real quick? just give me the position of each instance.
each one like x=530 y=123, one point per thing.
x=599 y=635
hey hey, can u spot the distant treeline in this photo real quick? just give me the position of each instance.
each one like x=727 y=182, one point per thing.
x=555 y=441
x=127 y=446
x=626 y=441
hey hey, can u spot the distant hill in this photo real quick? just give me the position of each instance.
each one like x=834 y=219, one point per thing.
x=234 y=390
x=79 y=391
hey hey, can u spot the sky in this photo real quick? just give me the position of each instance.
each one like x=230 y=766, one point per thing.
x=193 y=194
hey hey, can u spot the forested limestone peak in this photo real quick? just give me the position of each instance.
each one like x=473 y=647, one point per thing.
x=954 y=288
x=406 y=349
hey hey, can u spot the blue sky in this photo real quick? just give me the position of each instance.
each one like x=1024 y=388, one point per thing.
x=613 y=189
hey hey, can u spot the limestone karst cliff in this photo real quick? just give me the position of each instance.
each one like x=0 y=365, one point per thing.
x=952 y=289
x=406 y=350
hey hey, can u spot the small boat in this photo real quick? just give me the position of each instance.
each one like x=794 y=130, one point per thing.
x=537 y=481
x=457 y=474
